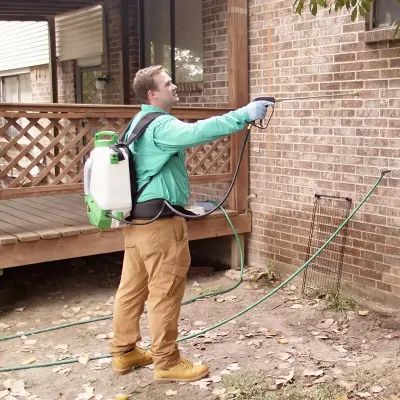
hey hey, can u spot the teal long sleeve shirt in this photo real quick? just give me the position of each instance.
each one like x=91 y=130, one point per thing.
x=160 y=151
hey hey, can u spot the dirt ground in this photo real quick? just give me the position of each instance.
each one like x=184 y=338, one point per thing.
x=289 y=347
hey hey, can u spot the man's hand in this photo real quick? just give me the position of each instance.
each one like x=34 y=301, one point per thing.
x=257 y=109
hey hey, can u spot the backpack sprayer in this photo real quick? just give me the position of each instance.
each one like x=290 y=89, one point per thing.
x=110 y=176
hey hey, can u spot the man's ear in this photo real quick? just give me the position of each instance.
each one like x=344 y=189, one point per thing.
x=151 y=94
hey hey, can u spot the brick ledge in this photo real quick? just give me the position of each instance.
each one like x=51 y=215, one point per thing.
x=379 y=35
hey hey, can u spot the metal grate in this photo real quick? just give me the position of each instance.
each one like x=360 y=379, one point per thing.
x=324 y=273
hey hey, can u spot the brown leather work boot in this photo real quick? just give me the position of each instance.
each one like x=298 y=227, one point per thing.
x=124 y=363
x=184 y=371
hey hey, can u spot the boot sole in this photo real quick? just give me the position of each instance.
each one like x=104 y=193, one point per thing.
x=193 y=379
x=125 y=371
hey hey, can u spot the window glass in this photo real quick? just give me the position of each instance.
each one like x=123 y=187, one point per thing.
x=188 y=41
x=188 y=37
x=387 y=13
x=157 y=33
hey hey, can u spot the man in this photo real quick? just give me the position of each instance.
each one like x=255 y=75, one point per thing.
x=157 y=257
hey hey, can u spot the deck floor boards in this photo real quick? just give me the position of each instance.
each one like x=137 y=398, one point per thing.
x=62 y=224
x=48 y=228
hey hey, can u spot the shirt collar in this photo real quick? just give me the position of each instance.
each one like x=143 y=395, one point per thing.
x=146 y=108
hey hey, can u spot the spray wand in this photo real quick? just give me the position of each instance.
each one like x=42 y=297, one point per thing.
x=280 y=100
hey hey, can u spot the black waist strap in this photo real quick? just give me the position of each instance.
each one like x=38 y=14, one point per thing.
x=151 y=208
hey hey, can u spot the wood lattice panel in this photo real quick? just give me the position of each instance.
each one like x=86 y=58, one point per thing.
x=43 y=148
x=48 y=151
x=214 y=158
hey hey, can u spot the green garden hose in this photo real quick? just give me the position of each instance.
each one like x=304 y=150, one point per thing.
x=225 y=321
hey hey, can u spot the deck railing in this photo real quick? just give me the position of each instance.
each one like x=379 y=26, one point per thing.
x=43 y=147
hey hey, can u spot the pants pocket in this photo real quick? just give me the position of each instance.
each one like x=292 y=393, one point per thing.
x=173 y=277
x=183 y=258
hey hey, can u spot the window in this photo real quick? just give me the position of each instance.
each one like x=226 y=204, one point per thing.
x=173 y=37
x=386 y=13
x=16 y=89
x=86 y=85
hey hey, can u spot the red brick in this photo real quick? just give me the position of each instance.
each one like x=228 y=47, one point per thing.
x=394 y=280
x=384 y=286
x=367 y=273
x=364 y=281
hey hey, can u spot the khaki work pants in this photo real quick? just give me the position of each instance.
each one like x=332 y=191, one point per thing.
x=156 y=263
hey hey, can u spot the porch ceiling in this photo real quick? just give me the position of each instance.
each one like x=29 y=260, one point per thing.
x=39 y=10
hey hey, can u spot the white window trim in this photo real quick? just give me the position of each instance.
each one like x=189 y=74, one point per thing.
x=18 y=71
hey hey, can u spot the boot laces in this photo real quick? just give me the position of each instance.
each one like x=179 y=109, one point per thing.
x=141 y=351
x=186 y=364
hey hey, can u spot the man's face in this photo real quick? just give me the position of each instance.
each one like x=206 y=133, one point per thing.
x=165 y=94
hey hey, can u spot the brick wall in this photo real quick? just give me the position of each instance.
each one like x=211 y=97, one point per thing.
x=67 y=82
x=333 y=147
x=40 y=84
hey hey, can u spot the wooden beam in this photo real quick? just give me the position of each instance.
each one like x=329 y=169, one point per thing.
x=49 y=3
x=25 y=253
x=22 y=18
x=53 y=61
x=24 y=192
x=106 y=110
x=238 y=92
x=43 y=8
x=124 y=51
x=32 y=7
x=70 y=188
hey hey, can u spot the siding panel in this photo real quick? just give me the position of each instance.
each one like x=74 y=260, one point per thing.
x=23 y=44
x=80 y=34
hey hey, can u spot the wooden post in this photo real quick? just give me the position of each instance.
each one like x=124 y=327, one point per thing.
x=53 y=78
x=124 y=51
x=238 y=93
x=235 y=251
x=238 y=96
x=53 y=60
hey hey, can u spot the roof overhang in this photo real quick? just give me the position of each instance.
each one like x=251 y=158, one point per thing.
x=40 y=10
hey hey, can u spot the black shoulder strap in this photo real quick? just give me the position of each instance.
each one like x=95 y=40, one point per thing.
x=132 y=135
x=140 y=127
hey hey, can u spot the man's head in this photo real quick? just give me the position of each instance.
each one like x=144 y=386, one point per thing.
x=152 y=85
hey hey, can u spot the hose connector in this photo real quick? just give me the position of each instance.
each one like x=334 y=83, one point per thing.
x=385 y=171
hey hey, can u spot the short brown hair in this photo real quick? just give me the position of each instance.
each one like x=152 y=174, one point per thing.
x=144 y=81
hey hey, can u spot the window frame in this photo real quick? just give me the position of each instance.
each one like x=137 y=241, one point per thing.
x=79 y=81
x=373 y=18
x=3 y=85
x=195 y=85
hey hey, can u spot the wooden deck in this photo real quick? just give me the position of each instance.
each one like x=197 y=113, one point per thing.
x=43 y=148
x=47 y=228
